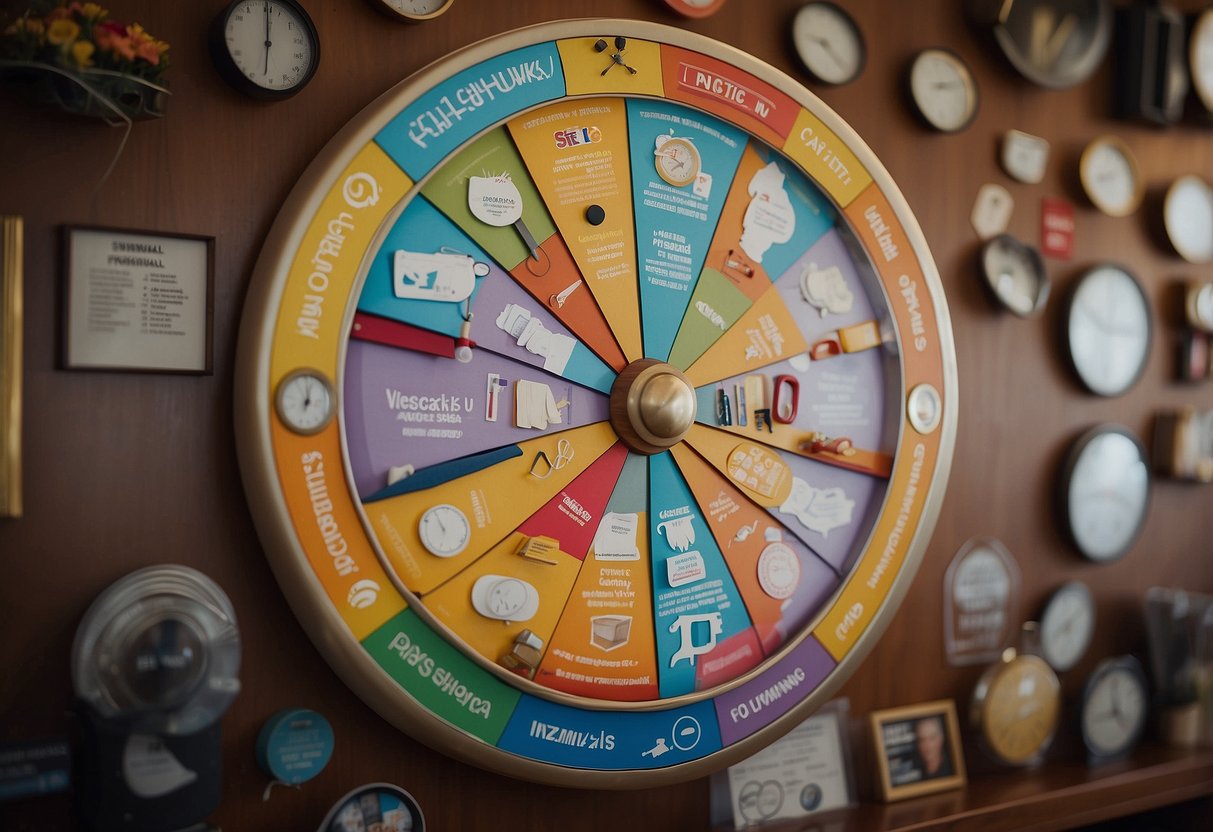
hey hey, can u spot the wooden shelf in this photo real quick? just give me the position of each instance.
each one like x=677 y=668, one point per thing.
x=1058 y=795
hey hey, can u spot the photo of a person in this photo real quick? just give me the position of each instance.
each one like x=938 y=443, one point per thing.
x=919 y=749
x=931 y=744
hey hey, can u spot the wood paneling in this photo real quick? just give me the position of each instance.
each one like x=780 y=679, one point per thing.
x=126 y=470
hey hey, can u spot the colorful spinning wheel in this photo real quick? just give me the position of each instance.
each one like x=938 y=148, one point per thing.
x=596 y=400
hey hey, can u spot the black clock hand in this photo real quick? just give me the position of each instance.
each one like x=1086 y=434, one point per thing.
x=267 y=37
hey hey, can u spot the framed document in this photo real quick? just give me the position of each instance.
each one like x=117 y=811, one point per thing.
x=11 y=263
x=918 y=750
x=138 y=301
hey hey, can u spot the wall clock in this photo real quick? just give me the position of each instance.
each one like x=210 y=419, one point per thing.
x=1016 y=707
x=1066 y=625
x=304 y=401
x=829 y=43
x=1115 y=707
x=1053 y=43
x=1105 y=492
x=943 y=90
x=266 y=49
x=1188 y=218
x=1200 y=62
x=1024 y=157
x=1108 y=330
x=554 y=557
x=1110 y=176
x=413 y=11
x=1150 y=75
x=1015 y=272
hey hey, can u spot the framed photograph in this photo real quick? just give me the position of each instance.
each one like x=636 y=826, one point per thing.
x=137 y=301
x=11 y=313
x=918 y=750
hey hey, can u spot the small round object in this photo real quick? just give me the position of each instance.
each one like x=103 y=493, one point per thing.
x=595 y=215
x=266 y=49
x=1108 y=330
x=828 y=43
x=304 y=401
x=943 y=90
x=1200 y=59
x=1015 y=273
x=1016 y=708
x=294 y=745
x=1198 y=306
x=924 y=407
x=667 y=406
x=1114 y=707
x=1066 y=625
x=445 y=530
x=413 y=11
x=695 y=8
x=1105 y=492
x=778 y=570
x=1053 y=43
x=677 y=161
x=1024 y=156
x=1188 y=218
x=1110 y=177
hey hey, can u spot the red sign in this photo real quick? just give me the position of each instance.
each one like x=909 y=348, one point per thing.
x=1056 y=228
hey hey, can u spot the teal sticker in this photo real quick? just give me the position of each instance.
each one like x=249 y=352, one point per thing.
x=294 y=746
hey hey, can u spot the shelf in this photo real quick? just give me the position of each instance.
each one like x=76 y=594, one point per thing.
x=1058 y=795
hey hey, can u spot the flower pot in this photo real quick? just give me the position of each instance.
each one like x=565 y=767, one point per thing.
x=98 y=93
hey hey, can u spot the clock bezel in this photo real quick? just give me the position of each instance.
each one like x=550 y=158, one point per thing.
x=851 y=24
x=1047 y=652
x=967 y=76
x=225 y=64
x=280 y=409
x=1066 y=483
x=1116 y=664
x=1069 y=335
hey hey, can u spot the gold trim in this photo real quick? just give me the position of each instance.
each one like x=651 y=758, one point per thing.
x=300 y=585
x=12 y=257
x=1084 y=174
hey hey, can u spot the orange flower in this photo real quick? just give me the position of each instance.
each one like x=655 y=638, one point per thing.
x=147 y=51
x=62 y=31
x=123 y=48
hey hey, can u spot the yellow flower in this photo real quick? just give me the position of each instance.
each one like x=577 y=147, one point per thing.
x=82 y=53
x=92 y=11
x=34 y=26
x=62 y=31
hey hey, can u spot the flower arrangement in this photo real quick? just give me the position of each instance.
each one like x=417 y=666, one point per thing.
x=76 y=36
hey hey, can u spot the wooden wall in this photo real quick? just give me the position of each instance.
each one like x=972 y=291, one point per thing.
x=127 y=470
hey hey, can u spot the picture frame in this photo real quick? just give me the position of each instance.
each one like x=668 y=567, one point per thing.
x=137 y=301
x=917 y=750
x=12 y=265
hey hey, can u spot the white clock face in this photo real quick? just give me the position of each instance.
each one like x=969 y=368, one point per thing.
x=677 y=161
x=1200 y=58
x=1066 y=626
x=1114 y=710
x=418 y=8
x=1109 y=177
x=943 y=89
x=305 y=402
x=1188 y=215
x=1024 y=156
x=1107 y=495
x=444 y=530
x=828 y=42
x=1109 y=330
x=270 y=43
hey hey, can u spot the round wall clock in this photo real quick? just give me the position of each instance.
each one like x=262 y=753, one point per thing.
x=534 y=535
x=1015 y=273
x=829 y=43
x=1188 y=218
x=1108 y=330
x=695 y=8
x=1110 y=177
x=266 y=49
x=1115 y=707
x=943 y=90
x=1053 y=43
x=1200 y=60
x=1066 y=625
x=413 y=11
x=304 y=401
x=1198 y=305
x=1016 y=708
x=1105 y=492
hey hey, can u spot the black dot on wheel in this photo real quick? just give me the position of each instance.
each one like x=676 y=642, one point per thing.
x=595 y=214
